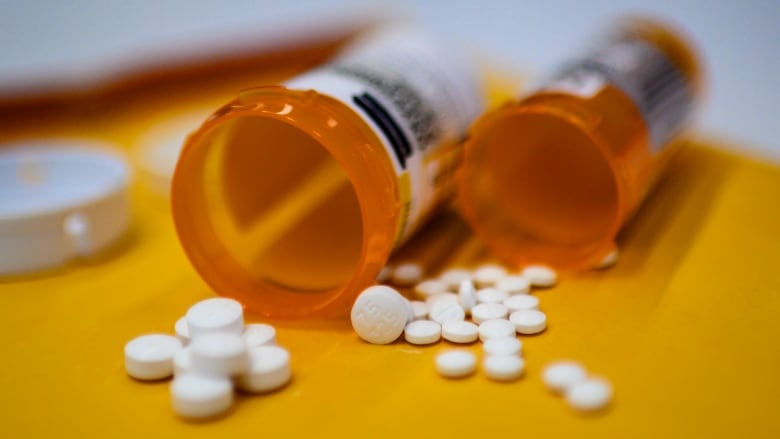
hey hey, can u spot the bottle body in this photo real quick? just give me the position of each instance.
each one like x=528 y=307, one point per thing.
x=291 y=198
x=552 y=178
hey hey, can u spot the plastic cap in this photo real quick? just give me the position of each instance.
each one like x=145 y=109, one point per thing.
x=58 y=200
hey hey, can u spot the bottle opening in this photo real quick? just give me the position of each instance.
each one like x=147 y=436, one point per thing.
x=279 y=205
x=556 y=190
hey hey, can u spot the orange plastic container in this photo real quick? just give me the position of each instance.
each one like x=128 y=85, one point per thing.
x=552 y=178
x=291 y=198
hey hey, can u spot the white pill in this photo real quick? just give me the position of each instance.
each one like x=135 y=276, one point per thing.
x=561 y=375
x=503 y=346
x=219 y=354
x=467 y=295
x=487 y=275
x=182 y=331
x=514 y=284
x=430 y=287
x=452 y=297
x=608 y=261
x=219 y=314
x=150 y=357
x=491 y=295
x=420 y=310
x=407 y=274
x=422 y=332
x=379 y=314
x=454 y=277
x=384 y=274
x=445 y=311
x=529 y=321
x=456 y=363
x=269 y=369
x=540 y=275
x=459 y=331
x=409 y=310
x=259 y=334
x=488 y=311
x=503 y=367
x=521 y=302
x=196 y=396
x=496 y=328
x=591 y=394
x=182 y=362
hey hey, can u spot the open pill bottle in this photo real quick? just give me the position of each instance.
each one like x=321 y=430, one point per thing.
x=291 y=198
x=551 y=178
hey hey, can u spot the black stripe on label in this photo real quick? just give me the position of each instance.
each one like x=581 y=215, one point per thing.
x=387 y=124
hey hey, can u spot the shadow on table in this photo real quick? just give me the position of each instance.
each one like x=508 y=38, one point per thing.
x=670 y=220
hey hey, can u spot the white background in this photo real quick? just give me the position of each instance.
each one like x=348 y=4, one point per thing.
x=739 y=39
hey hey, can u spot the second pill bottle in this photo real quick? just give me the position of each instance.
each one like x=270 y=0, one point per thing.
x=291 y=198
x=551 y=178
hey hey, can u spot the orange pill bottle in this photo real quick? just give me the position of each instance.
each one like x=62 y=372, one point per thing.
x=291 y=198
x=551 y=178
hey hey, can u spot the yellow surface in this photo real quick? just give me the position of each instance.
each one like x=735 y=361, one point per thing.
x=686 y=327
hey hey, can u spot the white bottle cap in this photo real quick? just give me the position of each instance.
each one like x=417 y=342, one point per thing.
x=59 y=199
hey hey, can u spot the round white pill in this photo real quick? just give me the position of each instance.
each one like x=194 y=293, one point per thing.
x=219 y=354
x=452 y=297
x=422 y=332
x=588 y=395
x=196 y=396
x=379 y=314
x=407 y=274
x=420 y=310
x=456 y=363
x=561 y=375
x=540 y=275
x=430 y=287
x=445 y=311
x=487 y=275
x=496 y=328
x=454 y=277
x=503 y=346
x=259 y=334
x=608 y=261
x=467 y=295
x=459 y=331
x=521 y=302
x=491 y=295
x=503 y=367
x=219 y=314
x=514 y=284
x=384 y=274
x=182 y=331
x=488 y=311
x=182 y=362
x=269 y=369
x=150 y=357
x=529 y=321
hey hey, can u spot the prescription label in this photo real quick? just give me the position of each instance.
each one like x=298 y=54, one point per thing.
x=644 y=73
x=419 y=96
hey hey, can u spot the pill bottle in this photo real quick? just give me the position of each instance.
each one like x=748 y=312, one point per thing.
x=552 y=177
x=291 y=197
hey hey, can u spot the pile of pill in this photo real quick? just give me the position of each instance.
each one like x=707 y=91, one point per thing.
x=499 y=306
x=212 y=352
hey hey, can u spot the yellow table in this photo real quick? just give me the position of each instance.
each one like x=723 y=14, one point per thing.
x=686 y=327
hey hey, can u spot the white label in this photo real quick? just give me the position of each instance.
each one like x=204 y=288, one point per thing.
x=582 y=83
x=417 y=95
x=644 y=73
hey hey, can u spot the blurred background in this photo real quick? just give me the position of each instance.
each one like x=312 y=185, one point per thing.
x=48 y=45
